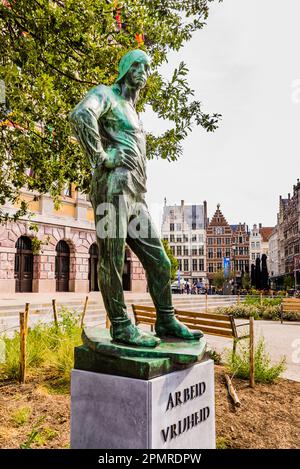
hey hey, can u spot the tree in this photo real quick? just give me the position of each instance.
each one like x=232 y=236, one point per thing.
x=218 y=279
x=52 y=52
x=246 y=281
x=288 y=282
x=173 y=260
x=264 y=273
x=257 y=274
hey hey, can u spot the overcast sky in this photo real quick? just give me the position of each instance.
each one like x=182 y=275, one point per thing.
x=245 y=65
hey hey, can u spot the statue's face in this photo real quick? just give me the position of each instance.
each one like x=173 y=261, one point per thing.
x=138 y=73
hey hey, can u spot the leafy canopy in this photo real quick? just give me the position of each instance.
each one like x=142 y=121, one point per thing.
x=53 y=51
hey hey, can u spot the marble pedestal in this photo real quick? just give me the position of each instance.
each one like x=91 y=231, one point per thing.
x=176 y=410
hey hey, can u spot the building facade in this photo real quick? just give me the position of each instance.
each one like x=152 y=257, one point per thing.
x=228 y=243
x=56 y=250
x=259 y=242
x=287 y=237
x=184 y=227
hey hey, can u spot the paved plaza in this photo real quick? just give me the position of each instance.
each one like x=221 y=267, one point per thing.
x=281 y=339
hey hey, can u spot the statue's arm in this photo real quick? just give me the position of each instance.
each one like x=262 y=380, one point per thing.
x=84 y=120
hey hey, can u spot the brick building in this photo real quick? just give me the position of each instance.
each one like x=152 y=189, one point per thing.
x=68 y=254
x=230 y=242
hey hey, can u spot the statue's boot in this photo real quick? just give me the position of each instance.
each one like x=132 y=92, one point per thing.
x=128 y=333
x=167 y=325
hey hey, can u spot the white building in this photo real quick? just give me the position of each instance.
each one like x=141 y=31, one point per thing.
x=274 y=254
x=255 y=244
x=184 y=227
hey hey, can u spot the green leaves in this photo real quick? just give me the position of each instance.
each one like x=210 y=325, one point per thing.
x=52 y=52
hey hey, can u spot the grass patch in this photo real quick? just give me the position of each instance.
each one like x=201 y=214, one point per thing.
x=21 y=416
x=265 y=372
x=48 y=347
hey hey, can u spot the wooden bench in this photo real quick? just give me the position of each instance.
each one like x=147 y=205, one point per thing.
x=209 y=323
x=289 y=305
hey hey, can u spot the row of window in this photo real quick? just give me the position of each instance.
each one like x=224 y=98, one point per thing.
x=178 y=226
x=184 y=238
x=238 y=266
x=185 y=251
x=197 y=265
x=219 y=253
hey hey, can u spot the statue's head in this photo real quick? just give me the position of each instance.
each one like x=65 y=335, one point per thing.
x=134 y=67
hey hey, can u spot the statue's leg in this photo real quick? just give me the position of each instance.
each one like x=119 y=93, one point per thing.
x=150 y=251
x=111 y=229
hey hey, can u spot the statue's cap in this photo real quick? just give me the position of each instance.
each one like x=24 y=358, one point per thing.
x=128 y=59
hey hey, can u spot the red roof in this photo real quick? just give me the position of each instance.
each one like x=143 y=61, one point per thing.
x=266 y=232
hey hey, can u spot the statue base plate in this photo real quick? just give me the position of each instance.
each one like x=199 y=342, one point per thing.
x=174 y=411
x=100 y=354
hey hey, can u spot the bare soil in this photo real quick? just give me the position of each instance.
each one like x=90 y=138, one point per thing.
x=269 y=416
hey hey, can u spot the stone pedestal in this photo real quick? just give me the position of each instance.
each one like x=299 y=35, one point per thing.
x=172 y=411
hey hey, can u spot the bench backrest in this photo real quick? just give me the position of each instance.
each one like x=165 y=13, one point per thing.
x=290 y=305
x=209 y=323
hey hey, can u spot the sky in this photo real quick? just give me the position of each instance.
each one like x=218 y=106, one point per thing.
x=244 y=65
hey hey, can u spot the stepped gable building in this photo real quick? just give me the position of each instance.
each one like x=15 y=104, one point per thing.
x=218 y=243
x=184 y=227
x=226 y=241
x=67 y=257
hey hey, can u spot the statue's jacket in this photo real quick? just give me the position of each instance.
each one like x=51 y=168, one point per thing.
x=104 y=121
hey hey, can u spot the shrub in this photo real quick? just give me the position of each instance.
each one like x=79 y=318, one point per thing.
x=265 y=372
x=47 y=346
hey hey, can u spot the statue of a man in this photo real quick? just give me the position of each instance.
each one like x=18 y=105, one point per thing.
x=111 y=134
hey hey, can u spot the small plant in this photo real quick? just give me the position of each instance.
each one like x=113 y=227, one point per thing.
x=33 y=435
x=21 y=416
x=215 y=356
x=265 y=372
x=222 y=443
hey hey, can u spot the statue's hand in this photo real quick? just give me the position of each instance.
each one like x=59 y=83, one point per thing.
x=116 y=157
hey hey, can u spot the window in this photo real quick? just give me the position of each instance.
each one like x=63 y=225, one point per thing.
x=219 y=266
x=185 y=238
x=227 y=240
x=210 y=253
x=180 y=264
x=179 y=251
x=210 y=268
x=219 y=241
x=258 y=245
x=201 y=265
x=253 y=245
x=68 y=190
x=253 y=256
x=195 y=265
x=194 y=238
x=219 y=253
x=210 y=241
x=227 y=253
x=194 y=250
x=172 y=238
x=185 y=251
x=201 y=238
x=241 y=239
x=171 y=226
x=178 y=239
x=201 y=251
x=178 y=226
x=186 y=265
x=173 y=250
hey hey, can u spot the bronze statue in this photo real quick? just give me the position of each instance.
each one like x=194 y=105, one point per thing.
x=111 y=134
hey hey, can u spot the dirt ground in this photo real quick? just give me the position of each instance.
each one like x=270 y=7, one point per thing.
x=37 y=414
